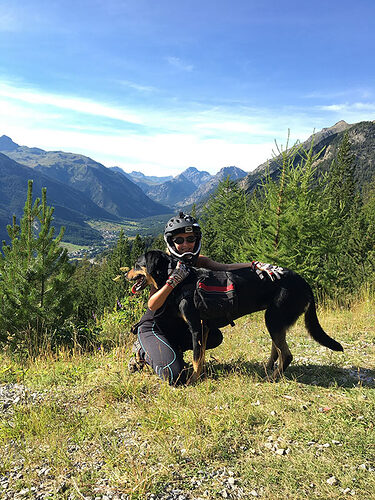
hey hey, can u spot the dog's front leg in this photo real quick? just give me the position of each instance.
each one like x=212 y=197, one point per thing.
x=200 y=353
x=192 y=319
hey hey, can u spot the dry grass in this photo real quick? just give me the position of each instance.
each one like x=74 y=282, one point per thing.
x=89 y=428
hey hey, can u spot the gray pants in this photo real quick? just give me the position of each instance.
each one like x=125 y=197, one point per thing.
x=163 y=349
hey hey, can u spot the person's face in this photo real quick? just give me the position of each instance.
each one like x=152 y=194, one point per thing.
x=184 y=242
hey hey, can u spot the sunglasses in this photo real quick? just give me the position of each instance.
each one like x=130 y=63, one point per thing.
x=179 y=240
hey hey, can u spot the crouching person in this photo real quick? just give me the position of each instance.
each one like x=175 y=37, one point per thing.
x=161 y=343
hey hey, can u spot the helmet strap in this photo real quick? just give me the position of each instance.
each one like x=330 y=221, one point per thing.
x=180 y=256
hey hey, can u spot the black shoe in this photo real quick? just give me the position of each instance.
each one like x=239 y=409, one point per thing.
x=136 y=362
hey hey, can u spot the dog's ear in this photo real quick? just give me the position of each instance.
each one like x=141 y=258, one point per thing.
x=141 y=262
x=157 y=265
x=151 y=261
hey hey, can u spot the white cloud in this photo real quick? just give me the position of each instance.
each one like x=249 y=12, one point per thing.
x=351 y=112
x=348 y=93
x=178 y=63
x=209 y=139
x=199 y=120
x=164 y=140
x=333 y=107
x=350 y=107
x=161 y=154
x=241 y=125
x=137 y=86
x=166 y=152
x=75 y=104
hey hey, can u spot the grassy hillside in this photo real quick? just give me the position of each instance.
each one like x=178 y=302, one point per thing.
x=86 y=428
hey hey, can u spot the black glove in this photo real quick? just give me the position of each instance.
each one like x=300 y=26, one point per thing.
x=178 y=275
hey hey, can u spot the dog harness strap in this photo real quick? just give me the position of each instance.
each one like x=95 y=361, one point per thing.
x=220 y=289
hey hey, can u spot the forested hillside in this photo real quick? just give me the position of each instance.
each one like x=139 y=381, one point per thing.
x=362 y=140
x=305 y=218
x=313 y=222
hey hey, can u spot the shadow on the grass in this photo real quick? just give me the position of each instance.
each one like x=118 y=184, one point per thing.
x=328 y=375
x=309 y=374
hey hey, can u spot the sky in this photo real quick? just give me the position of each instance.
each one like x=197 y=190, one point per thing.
x=160 y=86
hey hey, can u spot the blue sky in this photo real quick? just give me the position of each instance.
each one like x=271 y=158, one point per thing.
x=159 y=86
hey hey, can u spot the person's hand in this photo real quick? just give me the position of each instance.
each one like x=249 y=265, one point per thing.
x=273 y=272
x=178 y=274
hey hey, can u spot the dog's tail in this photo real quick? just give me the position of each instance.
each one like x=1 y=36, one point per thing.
x=316 y=331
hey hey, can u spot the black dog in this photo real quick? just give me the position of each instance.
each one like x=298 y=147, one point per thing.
x=284 y=300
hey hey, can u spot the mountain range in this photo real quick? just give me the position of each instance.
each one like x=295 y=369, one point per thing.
x=362 y=141
x=108 y=189
x=191 y=186
x=81 y=189
x=78 y=187
x=72 y=208
x=204 y=190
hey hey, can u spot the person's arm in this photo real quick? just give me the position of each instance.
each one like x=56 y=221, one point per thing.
x=158 y=298
x=208 y=263
x=273 y=272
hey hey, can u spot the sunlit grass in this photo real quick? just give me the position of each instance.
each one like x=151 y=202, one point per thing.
x=88 y=427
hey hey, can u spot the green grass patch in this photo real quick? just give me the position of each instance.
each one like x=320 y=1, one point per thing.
x=72 y=247
x=86 y=427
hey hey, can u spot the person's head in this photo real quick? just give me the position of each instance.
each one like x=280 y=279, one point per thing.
x=183 y=235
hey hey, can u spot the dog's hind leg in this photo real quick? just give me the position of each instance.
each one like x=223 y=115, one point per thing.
x=272 y=359
x=280 y=349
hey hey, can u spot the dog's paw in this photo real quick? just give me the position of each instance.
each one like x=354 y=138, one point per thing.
x=192 y=379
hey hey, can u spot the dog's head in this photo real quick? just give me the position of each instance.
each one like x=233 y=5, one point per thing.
x=150 y=269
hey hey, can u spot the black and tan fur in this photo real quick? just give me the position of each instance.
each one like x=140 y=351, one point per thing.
x=283 y=300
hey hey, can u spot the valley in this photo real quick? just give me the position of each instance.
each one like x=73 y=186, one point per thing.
x=94 y=202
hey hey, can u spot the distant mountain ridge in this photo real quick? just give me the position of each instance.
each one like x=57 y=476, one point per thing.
x=82 y=189
x=202 y=193
x=362 y=139
x=142 y=180
x=147 y=179
x=6 y=144
x=78 y=187
x=179 y=187
x=72 y=208
x=110 y=190
x=172 y=191
x=197 y=177
x=190 y=186
x=169 y=190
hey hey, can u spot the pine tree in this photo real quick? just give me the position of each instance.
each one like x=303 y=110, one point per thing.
x=85 y=284
x=138 y=248
x=193 y=211
x=35 y=273
x=158 y=243
x=347 y=204
x=121 y=253
x=368 y=236
x=290 y=222
x=108 y=290
x=341 y=178
x=222 y=222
